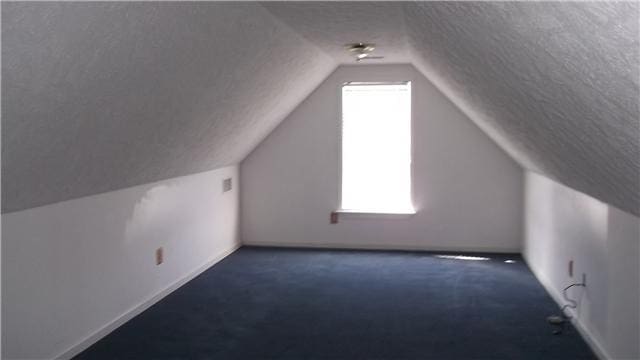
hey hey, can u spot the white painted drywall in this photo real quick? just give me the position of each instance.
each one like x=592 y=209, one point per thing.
x=562 y=224
x=71 y=268
x=467 y=191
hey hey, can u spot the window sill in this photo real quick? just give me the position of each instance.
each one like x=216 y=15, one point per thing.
x=376 y=214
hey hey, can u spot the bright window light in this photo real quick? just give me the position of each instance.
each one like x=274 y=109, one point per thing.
x=463 y=257
x=376 y=148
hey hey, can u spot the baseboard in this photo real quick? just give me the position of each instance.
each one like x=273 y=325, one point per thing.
x=144 y=305
x=588 y=337
x=381 y=247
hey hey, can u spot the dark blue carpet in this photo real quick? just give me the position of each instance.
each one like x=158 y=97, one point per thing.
x=268 y=303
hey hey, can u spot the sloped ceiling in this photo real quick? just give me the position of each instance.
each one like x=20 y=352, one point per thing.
x=101 y=96
x=556 y=84
x=332 y=25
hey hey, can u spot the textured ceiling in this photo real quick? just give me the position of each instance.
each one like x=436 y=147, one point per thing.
x=101 y=96
x=556 y=84
x=333 y=25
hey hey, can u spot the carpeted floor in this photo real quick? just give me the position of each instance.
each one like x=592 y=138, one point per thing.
x=270 y=303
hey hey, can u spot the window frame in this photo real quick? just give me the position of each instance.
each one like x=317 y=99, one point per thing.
x=367 y=213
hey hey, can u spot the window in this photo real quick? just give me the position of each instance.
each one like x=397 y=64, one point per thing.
x=376 y=148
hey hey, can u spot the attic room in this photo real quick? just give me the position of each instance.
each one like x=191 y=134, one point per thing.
x=320 y=180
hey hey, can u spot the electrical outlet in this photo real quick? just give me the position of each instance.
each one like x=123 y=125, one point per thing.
x=159 y=256
x=570 y=268
x=226 y=185
x=333 y=218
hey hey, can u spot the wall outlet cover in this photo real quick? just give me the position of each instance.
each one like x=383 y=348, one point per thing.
x=159 y=256
x=227 y=185
x=570 y=268
x=333 y=218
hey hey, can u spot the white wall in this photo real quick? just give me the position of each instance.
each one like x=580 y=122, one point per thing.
x=467 y=191
x=72 y=268
x=562 y=224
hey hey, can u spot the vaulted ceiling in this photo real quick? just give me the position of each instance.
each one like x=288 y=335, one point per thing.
x=556 y=84
x=102 y=96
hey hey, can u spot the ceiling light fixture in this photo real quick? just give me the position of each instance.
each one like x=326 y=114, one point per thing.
x=362 y=51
